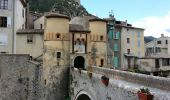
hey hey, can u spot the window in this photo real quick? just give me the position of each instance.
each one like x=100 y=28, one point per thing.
x=58 y=55
x=23 y=13
x=101 y=62
x=128 y=40
x=165 y=62
x=128 y=51
x=3 y=4
x=101 y=38
x=115 y=47
x=45 y=82
x=166 y=41
x=57 y=36
x=30 y=38
x=116 y=35
x=115 y=60
x=41 y=26
x=3 y=21
x=158 y=42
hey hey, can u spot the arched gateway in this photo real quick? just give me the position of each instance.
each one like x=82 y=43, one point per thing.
x=79 y=62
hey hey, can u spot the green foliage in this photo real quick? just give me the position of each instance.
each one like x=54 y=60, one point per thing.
x=148 y=39
x=67 y=7
x=145 y=90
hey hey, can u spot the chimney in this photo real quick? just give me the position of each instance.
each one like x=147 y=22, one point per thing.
x=162 y=35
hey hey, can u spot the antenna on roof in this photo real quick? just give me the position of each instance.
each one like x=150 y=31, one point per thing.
x=111 y=14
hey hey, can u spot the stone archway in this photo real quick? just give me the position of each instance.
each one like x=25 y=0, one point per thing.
x=83 y=97
x=79 y=62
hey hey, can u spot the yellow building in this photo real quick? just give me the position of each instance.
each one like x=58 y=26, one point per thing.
x=78 y=43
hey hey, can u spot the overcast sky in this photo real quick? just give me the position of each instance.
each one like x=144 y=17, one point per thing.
x=153 y=15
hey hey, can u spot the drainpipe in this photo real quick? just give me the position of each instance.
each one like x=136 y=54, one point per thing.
x=13 y=29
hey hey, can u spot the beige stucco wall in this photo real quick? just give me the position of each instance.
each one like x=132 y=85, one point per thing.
x=133 y=45
x=52 y=45
x=7 y=32
x=38 y=22
x=147 y=64
x=11 y=29
x=35 y=49
x=98 y=28
x=19 y=20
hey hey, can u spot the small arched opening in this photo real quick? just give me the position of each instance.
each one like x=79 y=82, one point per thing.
x=79 y=62
x=83 y=97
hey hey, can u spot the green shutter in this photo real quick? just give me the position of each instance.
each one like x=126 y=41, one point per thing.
x=115 y=62
x=110 y=34
x=115 y=47
x=118 y=35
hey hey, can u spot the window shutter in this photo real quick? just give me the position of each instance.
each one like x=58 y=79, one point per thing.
x=118 y=35
x=110 y=34
x=115 y=47
x=116 y=62
x=9 y=21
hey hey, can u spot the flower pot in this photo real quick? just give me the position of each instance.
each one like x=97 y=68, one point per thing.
x=105 y=80
x=145 y=96
x=90 y=74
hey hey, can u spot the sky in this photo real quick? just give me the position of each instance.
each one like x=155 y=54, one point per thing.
x=152 y=15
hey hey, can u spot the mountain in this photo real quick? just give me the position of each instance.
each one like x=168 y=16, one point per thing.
x=148 y=38
x=67 y=7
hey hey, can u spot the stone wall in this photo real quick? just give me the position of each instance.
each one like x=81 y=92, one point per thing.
x=146 y=80
x=96 y=90
x=122 y=85
x=19 y=78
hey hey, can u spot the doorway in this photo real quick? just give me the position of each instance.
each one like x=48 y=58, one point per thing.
x=79 y=62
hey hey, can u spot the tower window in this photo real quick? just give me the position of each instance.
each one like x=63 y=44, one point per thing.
x=128 y=51
x=3 y=21
x=101 y=62
x=41 y=26
x=23 y=13
x=30 y=38
x=101 y=38
x=58 y=55
x=57 y=36
x=128 y=40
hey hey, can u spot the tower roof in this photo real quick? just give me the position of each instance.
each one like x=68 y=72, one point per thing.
x=79 y=24
x=56 y=15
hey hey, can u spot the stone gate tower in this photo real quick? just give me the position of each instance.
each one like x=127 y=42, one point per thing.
x=56 y=56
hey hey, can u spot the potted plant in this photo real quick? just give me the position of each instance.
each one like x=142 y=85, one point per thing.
x=144 y=94
x=90 y=71
x=90 y=74
x=105 y=80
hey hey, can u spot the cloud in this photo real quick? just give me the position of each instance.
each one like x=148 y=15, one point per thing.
x=155 y=26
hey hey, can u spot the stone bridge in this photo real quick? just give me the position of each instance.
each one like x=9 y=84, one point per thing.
x=122 y=85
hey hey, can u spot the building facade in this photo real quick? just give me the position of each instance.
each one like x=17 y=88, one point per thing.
x=12 y=18
x=126 y=42
x=157 y=57
x=158 y=46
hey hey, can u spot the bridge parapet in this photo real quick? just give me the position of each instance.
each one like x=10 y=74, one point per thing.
x=146 y=80
x=122 y=85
